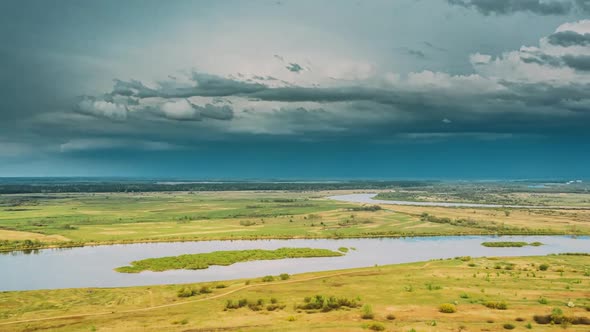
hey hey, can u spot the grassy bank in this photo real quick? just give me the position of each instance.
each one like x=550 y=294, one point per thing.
x=524 y=292
x=203 y=261
x=510 y=244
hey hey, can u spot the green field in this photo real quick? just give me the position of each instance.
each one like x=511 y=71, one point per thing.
x=509 y=244
x=486 y=292
x=487 y=195
x=98 y=218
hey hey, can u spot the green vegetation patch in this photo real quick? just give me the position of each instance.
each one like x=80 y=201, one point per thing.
x=504 y=244
x=203 y=261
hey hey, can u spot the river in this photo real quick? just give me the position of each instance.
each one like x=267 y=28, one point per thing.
x=93 y=266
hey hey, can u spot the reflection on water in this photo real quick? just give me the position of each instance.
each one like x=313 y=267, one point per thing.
x=93 y=266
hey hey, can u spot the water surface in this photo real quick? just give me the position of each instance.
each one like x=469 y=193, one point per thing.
x=93 y=266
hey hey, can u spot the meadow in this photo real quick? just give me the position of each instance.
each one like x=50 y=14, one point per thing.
x=462 y=294
x=31 y=221
x=224 y=258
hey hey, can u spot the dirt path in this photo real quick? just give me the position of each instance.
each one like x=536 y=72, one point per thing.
x=175 y=304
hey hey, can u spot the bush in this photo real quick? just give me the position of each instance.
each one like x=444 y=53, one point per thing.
x=205 y=290
x=268 y=278
x=367 y=312
x=580 y=321
x=508 y=326
x=376 y=327
x=543 y=300
x=447 y=308
x=325 y=304
x=186 y=292
x=543 y=267
x=247 y=223
x=496 y=305
x=542 y=319
x=284 y=276
x=390 y=317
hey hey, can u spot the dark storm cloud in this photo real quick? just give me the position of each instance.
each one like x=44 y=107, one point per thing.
x=569 y=38
x=434 y=47
x=205 y=85
x=294 y=67
x=580 y=62
x=417 y=53
x=209 y=111
x=577 y=62
x=506 y=7
x=584 y=5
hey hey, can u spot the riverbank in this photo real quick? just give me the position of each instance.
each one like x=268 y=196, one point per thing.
x=400 y=297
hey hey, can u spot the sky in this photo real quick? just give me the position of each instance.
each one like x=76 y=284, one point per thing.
x=435 y=89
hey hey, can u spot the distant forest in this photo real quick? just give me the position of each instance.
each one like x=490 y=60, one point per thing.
x=28 y=187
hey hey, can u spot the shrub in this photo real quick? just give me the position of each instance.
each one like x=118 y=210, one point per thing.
x=268 y=278
x=186 y=292
x=284 y=276
x=542 y=319
x=220 y=286
x=205 y=290
x=496 y=305
x=543 y=300
x=543 y=267
x=275 y=306
x=291 y=319
x=325 y=304
x=367 y=312
x=508 y=326
x=580 y=321
x=247 y=223
x=557 y=317
x=529 y=326
x=390 y=317
x=376 y=327
x=464 y=296
x=447 y=308
x=519 y=319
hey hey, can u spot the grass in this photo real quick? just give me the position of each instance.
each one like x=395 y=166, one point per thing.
x=504 y=244
x=204 y=260
x=382 y=288
x=499 y=196
x=65 y=220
